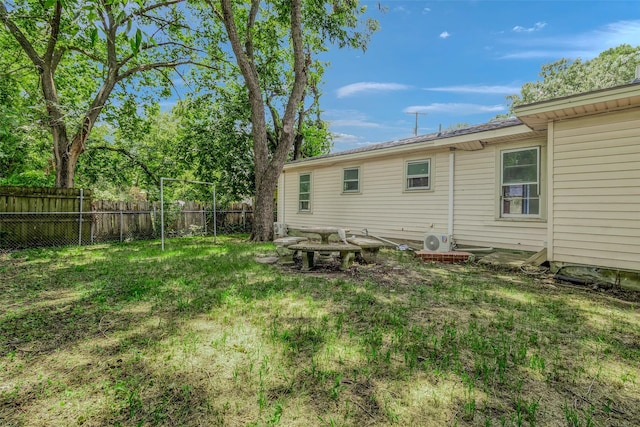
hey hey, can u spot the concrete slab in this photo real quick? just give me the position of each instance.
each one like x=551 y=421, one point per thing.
x=512 y=260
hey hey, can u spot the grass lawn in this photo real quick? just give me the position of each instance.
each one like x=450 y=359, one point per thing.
x=202 y=334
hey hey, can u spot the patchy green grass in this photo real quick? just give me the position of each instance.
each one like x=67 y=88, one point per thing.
x=203 y=335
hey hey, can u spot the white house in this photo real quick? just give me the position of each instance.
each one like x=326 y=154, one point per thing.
x=563 y=175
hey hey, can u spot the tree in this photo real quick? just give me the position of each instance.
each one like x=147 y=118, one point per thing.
x=215 y=139
x=82 y=50
x=273 y=43
x=215 y=136
x=136 y=149
x=564 y=77
x=22 y=158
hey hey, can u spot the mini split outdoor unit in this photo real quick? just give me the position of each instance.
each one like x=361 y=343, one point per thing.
x=437 y=242
x=279 y=229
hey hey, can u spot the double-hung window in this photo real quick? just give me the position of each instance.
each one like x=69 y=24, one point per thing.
x=304 y=193
x=418 y=176
x=351 y=180
x=520 y=182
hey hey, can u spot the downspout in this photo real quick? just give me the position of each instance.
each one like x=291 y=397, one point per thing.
x=452 y=157
x=281 y=194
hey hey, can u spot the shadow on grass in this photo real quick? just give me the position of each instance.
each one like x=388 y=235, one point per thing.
x=474 y=330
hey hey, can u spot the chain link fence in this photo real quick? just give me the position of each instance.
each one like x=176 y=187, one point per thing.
x=38 y=229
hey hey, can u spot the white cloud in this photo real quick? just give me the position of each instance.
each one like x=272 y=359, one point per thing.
x=345 y=138
x=354 y=123
x=536 y=27
x=585 y=45
x=455 y=108
x=426 y=10
x=444 y=35
x=477 y=89
x=539 y=54
x=349 y=118
x=364 y=87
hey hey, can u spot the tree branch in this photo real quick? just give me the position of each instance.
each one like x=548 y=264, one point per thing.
x=166 y=22
x=215 y=10
x=20 y=37
x=55 y=32
x=144 y=10
x=149 y=46
x=275 y=116
x=147 y=67
x=251 y=21
x=300 y=63
x=137 y=162
x=87 y=54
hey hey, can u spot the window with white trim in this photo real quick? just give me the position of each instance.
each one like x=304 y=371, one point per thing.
x=520 y=183
x=351 y=180
x=304 y=192
x=418 y=175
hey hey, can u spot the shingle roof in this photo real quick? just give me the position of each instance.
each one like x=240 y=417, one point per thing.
x=492 y=125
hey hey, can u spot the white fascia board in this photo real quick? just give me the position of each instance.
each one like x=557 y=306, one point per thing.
x=580 y=100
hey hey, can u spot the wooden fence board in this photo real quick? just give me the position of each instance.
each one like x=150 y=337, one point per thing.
x=52 y=217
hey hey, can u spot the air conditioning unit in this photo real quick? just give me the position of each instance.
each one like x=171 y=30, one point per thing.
x=279 y=229
x=436 y=242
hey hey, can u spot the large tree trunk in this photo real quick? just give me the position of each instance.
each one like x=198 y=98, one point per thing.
x=263 y=211
x=268 y=164
x=66 y=155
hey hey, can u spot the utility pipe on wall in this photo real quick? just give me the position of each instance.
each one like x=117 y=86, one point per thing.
x=452 y=157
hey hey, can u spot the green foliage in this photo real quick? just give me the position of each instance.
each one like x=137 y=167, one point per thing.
x=135 y=151
x=22 y=136
x=29 y=178
x=613 y=67
x=79 y=53
x=215 y=138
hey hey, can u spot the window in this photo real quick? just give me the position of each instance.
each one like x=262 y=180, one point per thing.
x=304 y=192
x=351 y=180
x=520 y=192
x=418 y=175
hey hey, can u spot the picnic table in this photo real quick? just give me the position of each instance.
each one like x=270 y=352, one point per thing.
x=323 y=232
x=309 y=249
x=324 y=248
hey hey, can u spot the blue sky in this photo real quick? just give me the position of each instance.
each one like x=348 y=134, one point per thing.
x=457 y=60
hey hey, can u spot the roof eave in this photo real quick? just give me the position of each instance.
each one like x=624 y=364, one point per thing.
x=538 y=115
x=471 y=141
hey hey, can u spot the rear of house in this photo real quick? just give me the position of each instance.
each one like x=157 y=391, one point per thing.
x=564 y=175
x=594 y=176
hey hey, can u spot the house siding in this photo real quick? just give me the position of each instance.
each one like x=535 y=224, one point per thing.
x=596 y=190
x=476 y=206
x=385 y=209
x=382 y=206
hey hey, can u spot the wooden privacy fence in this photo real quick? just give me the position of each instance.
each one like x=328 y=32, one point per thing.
x=32 y=217
x=52 y=216
x=124 y=220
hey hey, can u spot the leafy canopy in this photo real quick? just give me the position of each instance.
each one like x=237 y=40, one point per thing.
x=613 y=67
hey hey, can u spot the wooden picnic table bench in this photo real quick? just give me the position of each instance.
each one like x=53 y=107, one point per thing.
x=309 y=249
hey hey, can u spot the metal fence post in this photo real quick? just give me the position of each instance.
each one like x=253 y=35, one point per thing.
x=215 y=219
x=93 y=226
x=80 y=221
x=154 y=221
x=121 y=225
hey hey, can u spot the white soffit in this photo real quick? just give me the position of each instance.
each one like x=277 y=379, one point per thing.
x=537 y=115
